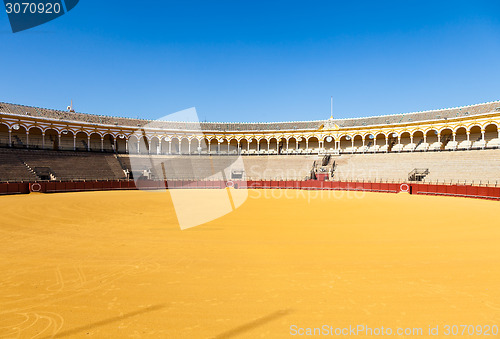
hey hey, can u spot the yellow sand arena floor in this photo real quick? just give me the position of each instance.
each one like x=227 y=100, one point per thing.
x=116 y=264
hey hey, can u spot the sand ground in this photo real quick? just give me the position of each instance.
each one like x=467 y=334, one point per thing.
x=116 y=265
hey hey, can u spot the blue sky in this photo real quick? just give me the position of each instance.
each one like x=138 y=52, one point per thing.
x=255 y=60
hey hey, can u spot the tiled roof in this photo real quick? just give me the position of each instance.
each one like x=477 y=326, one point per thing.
x=263 y=126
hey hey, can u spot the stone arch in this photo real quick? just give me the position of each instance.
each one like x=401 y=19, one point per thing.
x=418 y=137
x=224 y=146
x=214 y=145
x=194 y=144
x=175 y=145
x=405 y=138
x=19 y=136
x=475 y=133
x=67 y=140
x=369 y=139
x=253 y=145
x=313 y=143
x=233 y=146
x=95 y=142
x=491 y=132
x=4 y=135
x=329 y=145
x=35 y=138
x=108 y=143
x=82 y=141
x=184 y=145
x=51 y=139
x=121 y=144
x=432 y=136
x=461 y=134
x=345 y=142
x=282 y=145
x=263 y=144
x=154 y=145
x=380 y=139
x=358 y=140
x=244 y=145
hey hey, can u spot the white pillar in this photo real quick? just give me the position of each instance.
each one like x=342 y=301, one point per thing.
x=102 y=143
x=10 y=137
x=43 y=140
x=189 y=147
x=27 y=139
x=88 y=142
x=74 y=142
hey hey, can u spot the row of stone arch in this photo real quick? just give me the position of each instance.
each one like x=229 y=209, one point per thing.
x=35 y=138
x=49 y=138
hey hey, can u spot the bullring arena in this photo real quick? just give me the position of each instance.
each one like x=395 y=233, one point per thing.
x=386 y=221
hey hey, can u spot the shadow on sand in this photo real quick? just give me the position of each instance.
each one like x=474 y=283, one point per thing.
x=252 y=324
x=106 y=321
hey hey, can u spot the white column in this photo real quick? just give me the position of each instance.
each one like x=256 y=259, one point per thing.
x=189 y=147
x=10 y=137
x=74 y=142
x=88 y=142
x=170 y=146
x=43 y=140
x=286 y=146
x=27 y=139
x=454 y=136
x=102 y=144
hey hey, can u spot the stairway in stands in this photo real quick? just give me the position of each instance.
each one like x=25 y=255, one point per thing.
x=418 y=174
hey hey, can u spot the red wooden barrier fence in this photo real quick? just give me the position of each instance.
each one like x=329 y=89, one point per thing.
x=418 y=188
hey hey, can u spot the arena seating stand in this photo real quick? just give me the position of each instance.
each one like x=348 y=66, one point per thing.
x=19 y=165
